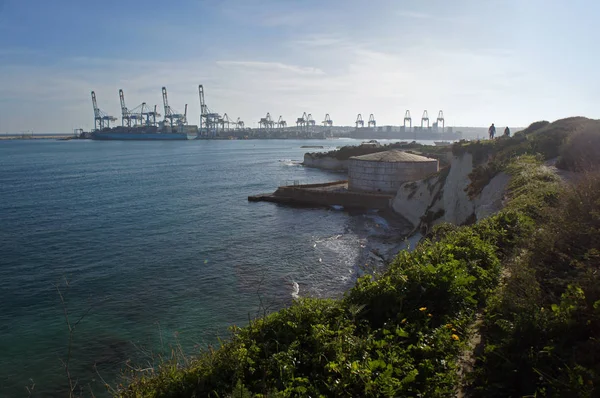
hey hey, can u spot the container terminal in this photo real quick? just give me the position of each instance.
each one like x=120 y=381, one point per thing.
x=143 y=123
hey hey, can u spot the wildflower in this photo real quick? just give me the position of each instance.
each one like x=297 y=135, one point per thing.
x=449 y=326
x=429 y=315
x=455 y=337
x=423 y=309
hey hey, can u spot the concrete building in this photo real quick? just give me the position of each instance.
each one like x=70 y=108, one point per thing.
x=385 y=171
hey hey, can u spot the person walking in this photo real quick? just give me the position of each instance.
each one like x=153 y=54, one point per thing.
x=492 y=131
x=507 y=132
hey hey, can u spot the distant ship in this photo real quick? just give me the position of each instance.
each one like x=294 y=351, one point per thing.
x=144 y=133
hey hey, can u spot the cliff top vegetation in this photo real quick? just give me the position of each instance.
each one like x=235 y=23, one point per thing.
x=530 y=272
x=346 y=152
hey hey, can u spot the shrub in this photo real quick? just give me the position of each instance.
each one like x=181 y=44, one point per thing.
x=541 y=331
x=581 y=151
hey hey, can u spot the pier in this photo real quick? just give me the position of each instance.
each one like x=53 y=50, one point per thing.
x=334 y=193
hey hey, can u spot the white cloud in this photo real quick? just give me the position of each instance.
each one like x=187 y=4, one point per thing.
x=272 y=66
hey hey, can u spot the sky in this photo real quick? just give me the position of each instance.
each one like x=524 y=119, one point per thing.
x=510 y=62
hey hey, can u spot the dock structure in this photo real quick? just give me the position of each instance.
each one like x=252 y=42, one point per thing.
x=334 y=193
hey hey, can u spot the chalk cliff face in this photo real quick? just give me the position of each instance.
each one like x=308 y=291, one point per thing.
x=443 y=197
x=326 y=163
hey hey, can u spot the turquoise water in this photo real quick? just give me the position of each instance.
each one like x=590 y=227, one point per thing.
x=157 y=244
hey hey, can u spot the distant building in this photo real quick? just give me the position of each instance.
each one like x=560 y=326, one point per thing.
x=385 y=171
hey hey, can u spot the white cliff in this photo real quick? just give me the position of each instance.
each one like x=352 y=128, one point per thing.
x=443 y=197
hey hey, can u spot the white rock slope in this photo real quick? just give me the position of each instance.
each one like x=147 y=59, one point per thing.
x=443 y=197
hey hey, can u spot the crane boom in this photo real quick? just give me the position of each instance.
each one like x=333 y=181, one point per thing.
x=124 y=111
x=165 y=101
x=95 y=105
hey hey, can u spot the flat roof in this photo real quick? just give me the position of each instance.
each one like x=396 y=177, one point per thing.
x=392 y=156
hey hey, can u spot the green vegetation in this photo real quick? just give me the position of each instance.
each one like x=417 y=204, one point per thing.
x=547 y=140
x=530 y=270
x=346 y=152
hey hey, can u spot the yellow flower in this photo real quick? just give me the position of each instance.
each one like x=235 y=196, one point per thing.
x=403 y=321
x=423 y=309
x=429 y=315
x=455 y=337
x=449 y=326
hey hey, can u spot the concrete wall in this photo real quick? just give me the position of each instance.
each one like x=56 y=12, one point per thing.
x=325 y=163
x=386 y=177
x=329 y=198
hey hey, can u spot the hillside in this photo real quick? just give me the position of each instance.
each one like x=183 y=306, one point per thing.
x=529 y=272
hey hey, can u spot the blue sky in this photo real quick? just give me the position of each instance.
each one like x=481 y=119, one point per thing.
x=511 y=62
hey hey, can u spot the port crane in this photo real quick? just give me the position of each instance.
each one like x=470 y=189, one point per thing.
x=141 y=115
x=425 y=118
x=310 y=121
x=147 y=115
x=372 y=122
x=408 y=119
x=440 y=118
x=359 y=121
x=174 y=118
x=225 y=121
x=239 y=124
x=281 y=124
x=327 y=122
x=101 y=119
x=266 y=122
x=209 y=121
x=302 y=121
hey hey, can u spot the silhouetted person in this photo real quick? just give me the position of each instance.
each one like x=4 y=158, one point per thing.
x=492 y=131
x=507 y=132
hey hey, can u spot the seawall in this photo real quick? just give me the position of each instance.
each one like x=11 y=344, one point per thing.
x=326 y=194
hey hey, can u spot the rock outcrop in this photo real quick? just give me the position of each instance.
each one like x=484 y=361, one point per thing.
x=325 y=162
x=443 y=197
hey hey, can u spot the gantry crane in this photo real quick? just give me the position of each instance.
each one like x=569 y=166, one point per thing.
x=359 y=121
x=225 y=121
x=101 y=119
x=209 y=121
x=408 y=119
x=327 y=122
x=372 y=122
x=133 y=117
x=174 y=118
x=146 y=114
x=440 y=118
x=425 y=118
x=302 y=121
x=266 y=122
x=310 y=121
x=239 y=124
x=281 y=124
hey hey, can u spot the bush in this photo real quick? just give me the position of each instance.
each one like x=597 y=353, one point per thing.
x=541 y=331
x=581 y=152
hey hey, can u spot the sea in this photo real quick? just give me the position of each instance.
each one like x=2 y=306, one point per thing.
x=114 y=255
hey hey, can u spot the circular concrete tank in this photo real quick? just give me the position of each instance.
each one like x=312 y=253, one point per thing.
x=385 y=171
